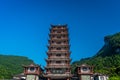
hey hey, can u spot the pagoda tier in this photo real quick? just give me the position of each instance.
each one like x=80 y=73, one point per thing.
x=57 y=66
x=58 y=61
x=56 y=47
x=58 y=34
x=58 y=28
x=62 y=41
x=49 y=52
x=58 y=38
x=54 y=53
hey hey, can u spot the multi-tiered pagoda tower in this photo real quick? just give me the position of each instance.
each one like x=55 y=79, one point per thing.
x=58 y=61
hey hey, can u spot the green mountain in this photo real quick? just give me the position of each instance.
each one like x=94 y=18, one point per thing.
x=12 y=65
x=107 y=60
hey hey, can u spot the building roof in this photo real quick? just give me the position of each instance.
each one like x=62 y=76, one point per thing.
x=32 y=65
x=59 y=25
x=84 y=65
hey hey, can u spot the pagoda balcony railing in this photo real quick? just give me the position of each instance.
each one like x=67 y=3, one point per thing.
x=59 y=59
x=59 y=50
x=56 y=33
x=60 y=75
x=63 y=53
x=58 y=47
x=64 y=72
x=62 y=44
x=59 y=32
x=60 y=28
x=64 y=57
x=58 y=66
x=61 y=64
x=62 y=38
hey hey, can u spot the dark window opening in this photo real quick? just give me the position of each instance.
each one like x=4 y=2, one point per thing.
x=52 y=41
x=58 y=62
x=58 y=36
x=53 y=30
x=58 y=42
x=58 y=54
x=58 y=31
x=65 y=41
x=58 y=48
x=53 y=36
x=58 y=71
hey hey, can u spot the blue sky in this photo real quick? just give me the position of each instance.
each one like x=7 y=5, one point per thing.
x=24 y=25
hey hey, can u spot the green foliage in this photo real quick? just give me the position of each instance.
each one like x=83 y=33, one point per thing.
x=115 y=40
x=114 y=78
x=12 y=65
x=107 y=60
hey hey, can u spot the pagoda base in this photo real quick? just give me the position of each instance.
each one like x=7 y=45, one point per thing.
x=58 y=76
x=58 y=79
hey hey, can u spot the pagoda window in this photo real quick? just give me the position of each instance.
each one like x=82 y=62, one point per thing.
x=66 y=62
x=58 y=37
x=52 y=48
x=57 y=71
x=53 y=71
x=65 y=54
x=64 y=41
x=64 y=36
x=58 y=48
x=53 y=36
x=65 y=47
x=58 y=42
x=59 y=27
x=58 y=62
x=53 y=30
x=58 y=55
x=52 y=41
x=58 y=31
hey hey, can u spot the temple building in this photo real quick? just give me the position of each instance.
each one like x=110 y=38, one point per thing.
x=84 y=72
x=31 y=72
x=58 y=60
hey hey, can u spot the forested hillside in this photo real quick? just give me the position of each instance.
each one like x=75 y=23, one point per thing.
x=107 y=60
x=12 y=65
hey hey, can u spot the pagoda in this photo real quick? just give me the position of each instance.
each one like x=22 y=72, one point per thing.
x=58 y=60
